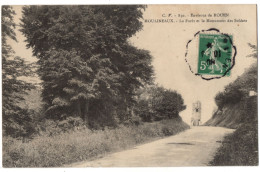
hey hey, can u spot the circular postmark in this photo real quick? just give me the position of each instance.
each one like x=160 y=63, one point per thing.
x=211 y=54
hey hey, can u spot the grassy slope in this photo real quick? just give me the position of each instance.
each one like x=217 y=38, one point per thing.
x=230 y=116
x=82 y=145
x=239 y=111
x=241 y=147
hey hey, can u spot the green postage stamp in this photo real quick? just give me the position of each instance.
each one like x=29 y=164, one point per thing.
x=215 y=54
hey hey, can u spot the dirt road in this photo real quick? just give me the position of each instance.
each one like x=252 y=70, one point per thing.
x=194 y=147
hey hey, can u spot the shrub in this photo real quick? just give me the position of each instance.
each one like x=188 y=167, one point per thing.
x=157 y=103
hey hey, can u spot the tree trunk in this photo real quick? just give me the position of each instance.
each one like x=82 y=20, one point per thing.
x=86 y=113
x=79 y=113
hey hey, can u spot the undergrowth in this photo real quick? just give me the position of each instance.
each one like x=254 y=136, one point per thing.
x=241 y=147
x=75 y=146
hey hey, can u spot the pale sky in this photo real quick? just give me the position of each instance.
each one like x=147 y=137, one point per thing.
x=167 y=41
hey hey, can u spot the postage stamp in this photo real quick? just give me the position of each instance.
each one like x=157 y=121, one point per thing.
x=215 y=54
x=211 y=54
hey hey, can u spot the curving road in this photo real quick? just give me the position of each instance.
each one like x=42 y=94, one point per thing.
x=193 y=147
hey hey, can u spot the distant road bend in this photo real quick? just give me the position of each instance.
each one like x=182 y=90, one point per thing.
x=193 y=147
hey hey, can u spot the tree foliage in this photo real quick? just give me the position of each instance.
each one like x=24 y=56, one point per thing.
x=156 y=103
x=254 y=50
x=88 y=67
x=15 y=119
x=240 y=88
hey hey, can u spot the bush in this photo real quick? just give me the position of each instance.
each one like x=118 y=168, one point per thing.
x=20 y=124
x=134 y=120
x=239 y=89
x=157 y=103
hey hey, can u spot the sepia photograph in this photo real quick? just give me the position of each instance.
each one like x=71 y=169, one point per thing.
x=116 y=85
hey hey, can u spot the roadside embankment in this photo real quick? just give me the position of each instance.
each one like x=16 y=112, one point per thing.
x=76 y=146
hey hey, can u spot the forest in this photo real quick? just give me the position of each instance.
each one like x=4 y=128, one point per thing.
x=96 y=87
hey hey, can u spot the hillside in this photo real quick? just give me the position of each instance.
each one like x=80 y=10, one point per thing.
x=238 y=109
x=234 y=100
x=234 y=115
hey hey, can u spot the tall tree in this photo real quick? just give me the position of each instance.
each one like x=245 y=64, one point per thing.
x=86 y=63
x=15 y=118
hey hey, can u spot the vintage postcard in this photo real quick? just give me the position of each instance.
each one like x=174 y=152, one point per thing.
x=129 y=85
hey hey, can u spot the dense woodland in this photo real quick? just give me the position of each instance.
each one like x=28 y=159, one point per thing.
x=90 y=73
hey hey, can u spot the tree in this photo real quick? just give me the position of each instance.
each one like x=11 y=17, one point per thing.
x=15 y=118
x=156 y=103
x=88 y=67
x=239 y=89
